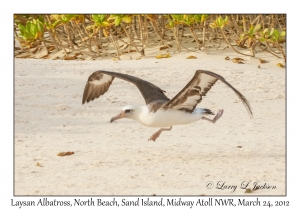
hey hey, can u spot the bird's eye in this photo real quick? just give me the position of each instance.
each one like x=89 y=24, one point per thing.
x=127 y=110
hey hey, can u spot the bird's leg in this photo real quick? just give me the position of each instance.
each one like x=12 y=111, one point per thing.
x=156 y=134
x=218 y=115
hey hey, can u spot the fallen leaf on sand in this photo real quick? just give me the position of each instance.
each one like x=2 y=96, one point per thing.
x=241 y=59
x=45 y=56
x=70 y=58
x=163 y=56
x=280 y=65
x=191 y=57
x=42 y=54
x=248 y=190
x=126 y=51
x=262 y=61
x=65 y=153
x=106 y=33
x=51 y=48
x=227 y=58
x=238 y=60
x=24 y=56
x=78 y=53
x=34 y=50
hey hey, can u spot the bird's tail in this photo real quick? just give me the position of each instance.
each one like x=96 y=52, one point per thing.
x=208 y=111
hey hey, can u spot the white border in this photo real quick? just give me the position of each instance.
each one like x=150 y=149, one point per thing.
x=153 y=6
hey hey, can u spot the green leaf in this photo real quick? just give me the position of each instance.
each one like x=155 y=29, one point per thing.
x=257 y=28
x=262 y=39
x=56 y=17
x=105 y=23
x=198 y=18
x=102 y=17
x=114 y=16
x=41 y=19
x=118 y=21
x=266 y=31
x=27 y=36
x=66 y=18
x=271 y=32
x=33 y=29
x=219 y=21
x=37 y=35
x=204 y=18
x=40 y=26
x=250 y=31
x=127 y=19
x=226 y=19
x=177 y=17
x=55 y=24
x=276 y=35
x=111 y=17
x=225 y=22
x=96 y=18
x=25 y=33
x=22 y=29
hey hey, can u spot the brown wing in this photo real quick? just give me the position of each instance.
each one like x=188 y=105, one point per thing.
x=188 y=98
x=99 y=82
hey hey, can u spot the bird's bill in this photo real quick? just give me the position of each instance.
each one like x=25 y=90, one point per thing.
x=117 y=117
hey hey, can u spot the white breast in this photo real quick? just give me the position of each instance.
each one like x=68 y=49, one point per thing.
x=169 y=117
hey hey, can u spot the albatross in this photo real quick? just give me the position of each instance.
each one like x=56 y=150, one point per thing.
x=160 y=111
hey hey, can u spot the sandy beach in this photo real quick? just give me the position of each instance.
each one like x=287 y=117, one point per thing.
x=117 y=158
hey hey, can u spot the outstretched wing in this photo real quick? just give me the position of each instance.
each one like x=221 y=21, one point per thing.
x=99 y=82
x=188 y=98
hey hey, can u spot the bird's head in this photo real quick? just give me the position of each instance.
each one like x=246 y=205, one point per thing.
x=126 y=112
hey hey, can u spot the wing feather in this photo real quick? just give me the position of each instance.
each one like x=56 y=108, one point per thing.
x=188 y=98
x=99 y=82
x=96 y=86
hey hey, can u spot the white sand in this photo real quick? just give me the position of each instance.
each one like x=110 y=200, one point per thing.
x=117 y=159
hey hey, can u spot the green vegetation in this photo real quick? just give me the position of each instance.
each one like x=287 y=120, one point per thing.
x=95 y=34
